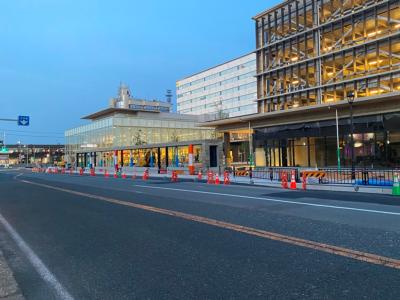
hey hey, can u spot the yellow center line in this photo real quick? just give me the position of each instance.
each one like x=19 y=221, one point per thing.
x=339 y=251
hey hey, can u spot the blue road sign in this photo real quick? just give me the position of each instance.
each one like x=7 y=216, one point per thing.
x=23 y=120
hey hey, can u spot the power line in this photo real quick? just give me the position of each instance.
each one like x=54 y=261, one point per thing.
x=29 y=131
x=35 y=136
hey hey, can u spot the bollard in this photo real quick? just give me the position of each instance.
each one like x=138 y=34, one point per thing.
x=396 y=185
x=199 y=175
x=304 y=181
x=284 y=181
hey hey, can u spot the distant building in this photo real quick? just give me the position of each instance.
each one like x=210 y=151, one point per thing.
x=132 y=134
x=124 y=100
x=31 y=154
x=226 y=90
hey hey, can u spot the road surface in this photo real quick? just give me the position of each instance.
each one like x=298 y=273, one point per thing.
x=73 y=237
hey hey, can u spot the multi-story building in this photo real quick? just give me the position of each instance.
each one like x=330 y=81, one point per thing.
x=312 y=52
x=143 y=136
x=223 y=91
x=316 y=58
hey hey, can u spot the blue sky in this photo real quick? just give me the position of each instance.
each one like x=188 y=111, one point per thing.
x=62 y=59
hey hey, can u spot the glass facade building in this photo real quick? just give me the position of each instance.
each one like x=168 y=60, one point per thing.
x=145 y=139
x=224 y=91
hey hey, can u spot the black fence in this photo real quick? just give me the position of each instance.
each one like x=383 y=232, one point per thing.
x=371 y=177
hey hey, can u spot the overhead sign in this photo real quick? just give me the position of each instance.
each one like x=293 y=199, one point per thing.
x=23 y=120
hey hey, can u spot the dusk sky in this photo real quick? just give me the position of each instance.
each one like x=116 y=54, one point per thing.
x=61 y=60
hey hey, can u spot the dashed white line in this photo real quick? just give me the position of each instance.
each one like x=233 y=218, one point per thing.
x=274 y=200
x=37 y=263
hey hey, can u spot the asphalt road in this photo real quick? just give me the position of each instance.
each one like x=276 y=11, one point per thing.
x=72 y=237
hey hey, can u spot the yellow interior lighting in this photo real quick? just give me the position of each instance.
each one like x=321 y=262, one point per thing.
x=374 y=62
x=373 y=92
x=374 y=33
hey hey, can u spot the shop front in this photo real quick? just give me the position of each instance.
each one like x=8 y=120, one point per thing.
x=376 y=141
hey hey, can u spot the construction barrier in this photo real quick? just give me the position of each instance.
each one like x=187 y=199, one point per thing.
x=396 y=185
x=242 y=173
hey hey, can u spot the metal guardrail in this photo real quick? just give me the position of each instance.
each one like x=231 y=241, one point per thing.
x=373 y=177
x=364 y=176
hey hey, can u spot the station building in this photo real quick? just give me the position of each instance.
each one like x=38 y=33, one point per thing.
x=143 y=134
x=316 y=57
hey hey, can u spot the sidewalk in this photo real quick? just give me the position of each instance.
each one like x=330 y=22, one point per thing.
x=385 y=190
x=9 y=289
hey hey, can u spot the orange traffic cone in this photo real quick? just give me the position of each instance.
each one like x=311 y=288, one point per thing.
x=293 y=184
x=226 y=178
x=199 y=175
x=123 y=176
x=115 y=174
x=217 y=179
x=106 y=175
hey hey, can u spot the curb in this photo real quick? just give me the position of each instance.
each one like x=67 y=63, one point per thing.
x=9 y=288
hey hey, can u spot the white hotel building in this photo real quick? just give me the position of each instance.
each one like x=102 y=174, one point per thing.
x=224 y=91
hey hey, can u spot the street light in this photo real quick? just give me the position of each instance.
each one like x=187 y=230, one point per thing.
x=350 y=100
x=337 y=139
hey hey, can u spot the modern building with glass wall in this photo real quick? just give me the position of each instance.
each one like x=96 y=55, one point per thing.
x=223 y=91
x=316 y=58
x=143 y=137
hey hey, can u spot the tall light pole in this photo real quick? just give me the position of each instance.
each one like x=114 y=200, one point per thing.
x=350 y=100
x=337 y=139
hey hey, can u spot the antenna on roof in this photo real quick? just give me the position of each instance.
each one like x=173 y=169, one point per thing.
x=169 y=96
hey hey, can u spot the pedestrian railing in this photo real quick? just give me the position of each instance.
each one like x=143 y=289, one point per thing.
x=358 y=176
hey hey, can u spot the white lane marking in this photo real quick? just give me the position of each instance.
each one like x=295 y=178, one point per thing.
x=275 y=200
x=16 y=176
x=39 y=266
